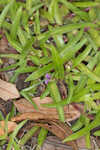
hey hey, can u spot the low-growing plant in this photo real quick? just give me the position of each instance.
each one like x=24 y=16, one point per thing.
x=61 y=39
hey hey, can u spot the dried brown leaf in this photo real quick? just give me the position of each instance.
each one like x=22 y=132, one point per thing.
x=8 y=90
x=3 y=45
x=11 y=126
x=61 y=130
x=53 y=143
x=81 y=142
x=34 y=116
x=24 y=106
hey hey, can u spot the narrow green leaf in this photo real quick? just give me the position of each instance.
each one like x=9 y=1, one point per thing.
x=37 y=23
x=91 y=41
x=41 y=138
x=25 y=70
x=9 y=67
x=64 y=29
x=85 y=4
x=13 y=135
x=84 y=131
x=54 y=92
x=45 y=93
x=40 y=72
x=16 y=23
x=35 y=8
x=5 y=11
x=16 y=146
x=68 y=54
x=14 y=56
x=94 y=60
x=90 y=74
x=51 y=10
x=57 y=62
x=79 y=123
x=21 y=36
x=28 y=5
x=57 y=14
x=28 y=135
x=81 y=83
x=97 y=133
x=35 y=60
x=14 y=43
x=29 y=98
x=95 y=36
x=82 y=56
x=83 y=15
x=70 y=90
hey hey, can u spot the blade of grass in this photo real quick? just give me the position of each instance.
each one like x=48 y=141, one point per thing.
x=9 y=67
x=87 y=72
x=28 y=135
x=25 y=70
x=21 y=36
x=13 y=135
x=78 y=124
x=82 y=56
x=86 y=4
x=63 y=29
x=16 y=23
x=28 y=5
x=45 y=93
x=37 y=23
x=70 y=90
x=57 y=62
x=5 y=11
x=14 y=56
x=35 y=8
x=40 y=72
x=29 y=98
x=77 y=11
x=51 y=10
x=68 y=54
x=84 y=131
x=90 y=65
x=54 y=92
x=14 y=43
x=41 y=137
x=91 y=42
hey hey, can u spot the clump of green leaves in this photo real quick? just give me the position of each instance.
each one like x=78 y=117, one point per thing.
x=61 y=38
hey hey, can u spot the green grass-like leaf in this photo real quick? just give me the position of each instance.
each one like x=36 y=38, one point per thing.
x=16 y=23
x=5 y=11
x=56 y=98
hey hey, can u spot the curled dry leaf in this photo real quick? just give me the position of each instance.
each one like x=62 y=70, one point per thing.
x=24 y=106
x=11 y=126
x=8 y=90
x=59 y=129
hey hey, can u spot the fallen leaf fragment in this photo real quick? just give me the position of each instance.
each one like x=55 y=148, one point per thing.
x=23 y=106
x=8 y=90
x=61 y=130
x=53 y=143
x=81 y=142
x=34 y=116
x=11 y=126
x=3 y=45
